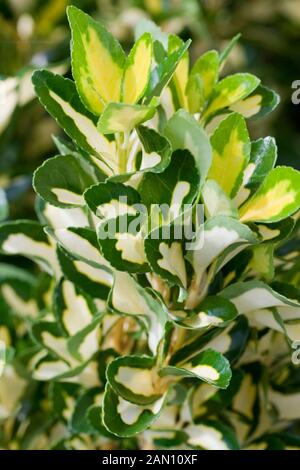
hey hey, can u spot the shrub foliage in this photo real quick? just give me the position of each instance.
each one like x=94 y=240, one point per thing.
x=128 y=338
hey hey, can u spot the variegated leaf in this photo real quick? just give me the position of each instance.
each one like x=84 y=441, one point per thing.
x=180 y=77
x=207 y=68
x=270 y=309
x=277 y=198
x=49 y=335
x=109 y=200
x=137 y=70
x=156 y=151
x=62 y=180
x=254 y=295
x=262 y=262
x=135 y=379
x=60 y=98
x=195 y=93
x=274 y=232
x=221 y=236
x=67 y=148
x=262 y=159
x=17 y=292
x=97 y=61
x=212 y=312
x=82 y=244
x=86 y=342
x=147 y=151
x=175 y=187
x=74 y=350
x=58 y=218
x=161 y=75
x=211 y=435
x=49 y=367
x=127 y=297
x=122 y=243
x=74 y=309
x=259 y=103
x=80 y=422
x=95 y=281
x=184 y=132
x=228 y=91
x=207 y=400
x=27 y=238
x=63 y=397
x=231 y=152
x=209 y=366
x=231 y=342
x=165 y=249
x=216 y=201
x=125 y=419
x=121 y=117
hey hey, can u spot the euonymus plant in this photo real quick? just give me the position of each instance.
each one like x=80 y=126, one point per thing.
x=159 y=320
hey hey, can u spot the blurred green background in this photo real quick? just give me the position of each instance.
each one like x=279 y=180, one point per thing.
x=35 y=33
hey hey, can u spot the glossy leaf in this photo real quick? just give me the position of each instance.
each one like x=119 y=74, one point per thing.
x=137 y=70
x=97 y=61
x=231 y=152
x=277 y=198
x=230 y=90
x=184 y=132
x=121 y=117
x=62 y=180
